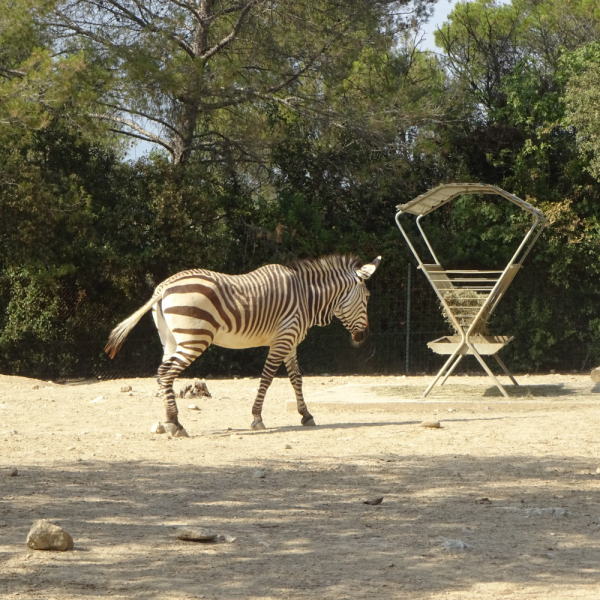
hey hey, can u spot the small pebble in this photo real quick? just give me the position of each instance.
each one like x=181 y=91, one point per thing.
x=96 y=399
x=288 y=447
x=193 y=407
x=374 y=501
x=2 y=523
x=456 y=545
x=35 y=387
x=126 y=388
x=13 y=472
x=431 y=424
x=195 y=535
x=261 y=474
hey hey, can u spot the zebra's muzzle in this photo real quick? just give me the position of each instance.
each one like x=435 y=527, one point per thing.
x=358 y=337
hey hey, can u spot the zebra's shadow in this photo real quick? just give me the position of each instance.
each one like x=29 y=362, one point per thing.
x=332 y=426
x=308 y=430
x=300 y=428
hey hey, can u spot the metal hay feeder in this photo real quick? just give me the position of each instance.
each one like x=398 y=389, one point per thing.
x=469 y=296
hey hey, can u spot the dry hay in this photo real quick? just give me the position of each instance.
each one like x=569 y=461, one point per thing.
x=465 y=305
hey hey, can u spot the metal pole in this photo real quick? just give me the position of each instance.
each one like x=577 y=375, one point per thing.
x=407 y=320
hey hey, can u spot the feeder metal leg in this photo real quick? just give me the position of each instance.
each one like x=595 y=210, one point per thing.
x=505 y=369
x=488 y=371
x=451 y=369
x=443 y=369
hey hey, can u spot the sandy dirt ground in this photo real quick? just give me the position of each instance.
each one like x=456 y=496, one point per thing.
x=463 y=513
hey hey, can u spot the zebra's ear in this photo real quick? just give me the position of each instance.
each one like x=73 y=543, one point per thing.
x=367 y=270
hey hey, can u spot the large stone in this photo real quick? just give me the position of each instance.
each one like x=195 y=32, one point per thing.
x=44 y=535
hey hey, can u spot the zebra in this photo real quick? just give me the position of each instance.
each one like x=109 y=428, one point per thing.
x=272 y=306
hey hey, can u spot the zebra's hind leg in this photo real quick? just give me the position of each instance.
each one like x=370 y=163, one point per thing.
x=291 y=363
x=167 y=373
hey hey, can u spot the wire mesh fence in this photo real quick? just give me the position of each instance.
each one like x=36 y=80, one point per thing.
x=404 y=315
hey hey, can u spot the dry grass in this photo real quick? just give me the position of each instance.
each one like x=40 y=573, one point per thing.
x=465 y=305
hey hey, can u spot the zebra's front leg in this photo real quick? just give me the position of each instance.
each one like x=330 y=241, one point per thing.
x=274 y=360
x=291 y=363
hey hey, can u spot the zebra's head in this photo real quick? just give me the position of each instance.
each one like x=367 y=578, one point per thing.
x=351 y=309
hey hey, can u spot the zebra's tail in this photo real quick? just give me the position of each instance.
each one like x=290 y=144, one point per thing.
x=119 y=333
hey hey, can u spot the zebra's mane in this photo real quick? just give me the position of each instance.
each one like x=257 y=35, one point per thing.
x=333 y=262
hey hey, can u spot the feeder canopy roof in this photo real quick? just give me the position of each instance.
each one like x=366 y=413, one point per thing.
x=428 y=202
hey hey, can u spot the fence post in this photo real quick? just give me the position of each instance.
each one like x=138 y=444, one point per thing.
x=408 y=294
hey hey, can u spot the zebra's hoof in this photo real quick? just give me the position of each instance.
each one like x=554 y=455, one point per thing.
x=309 y=423
x=258 y=424
x=181 y=433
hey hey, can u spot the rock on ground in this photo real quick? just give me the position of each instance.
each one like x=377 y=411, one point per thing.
x=198 y=389
x=157 y=428
x=195 y=535
x=44 y=535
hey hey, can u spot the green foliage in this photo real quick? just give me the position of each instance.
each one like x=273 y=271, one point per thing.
x=583 y=102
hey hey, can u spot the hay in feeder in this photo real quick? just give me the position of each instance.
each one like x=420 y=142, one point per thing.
x=465 y=305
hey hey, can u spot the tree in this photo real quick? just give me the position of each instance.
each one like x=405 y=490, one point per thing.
x=583 y=102
x=480 y=42
x=37 y=83
x=198 y=76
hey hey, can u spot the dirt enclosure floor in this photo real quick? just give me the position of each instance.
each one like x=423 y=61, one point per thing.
x=502 y=501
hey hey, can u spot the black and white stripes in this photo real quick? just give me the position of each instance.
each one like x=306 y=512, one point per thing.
x=273 y=306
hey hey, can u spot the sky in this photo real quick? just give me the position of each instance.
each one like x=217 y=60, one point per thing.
x=441 y=11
